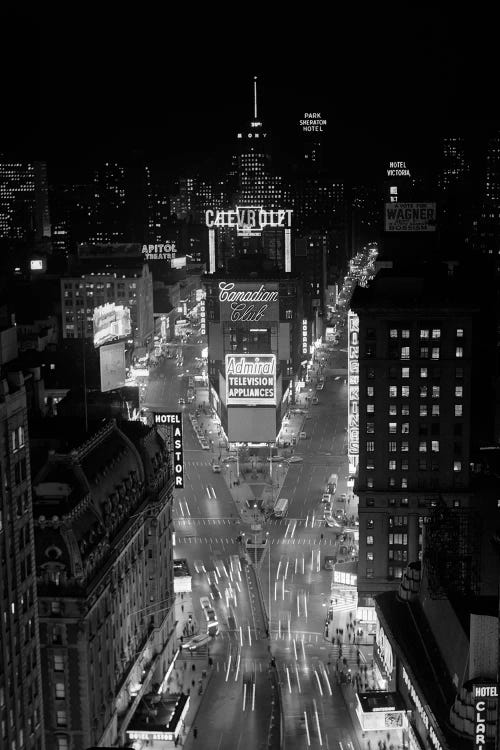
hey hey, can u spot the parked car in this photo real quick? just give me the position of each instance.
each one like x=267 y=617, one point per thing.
x=294 y=459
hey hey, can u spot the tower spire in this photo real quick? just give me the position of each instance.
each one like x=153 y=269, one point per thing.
x=255 y=97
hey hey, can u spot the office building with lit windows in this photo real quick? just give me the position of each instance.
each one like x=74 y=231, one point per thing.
x=21 y=719
x=426 y=366
x=129 y=284
x=24 y=204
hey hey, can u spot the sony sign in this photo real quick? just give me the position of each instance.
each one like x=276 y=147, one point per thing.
x=245 y=302
x=174 y=421
x=251 y=379
x=249 y=220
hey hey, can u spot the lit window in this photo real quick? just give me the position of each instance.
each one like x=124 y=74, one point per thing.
x=60 y=690
x=370 y=446
x=393 y=333
x=435 y=410
x=459 y=391
x=405 y=428
x=370 y=390
x=457 y=466
x=393 y=428
x=369 y=572
x=424 y=352
x=423 y=410
x=405 y=391
x=460 y=333
x=436 y=391
x=436 y=333
x=435 y=446
x=459 y=351
x=370 y=427
x=369 y=556
x=392 y=446
x=404 y=483
x=435 y=352
x=458 y=410
x=370 y=408
x=405 y=409
x=424 y=333
x=393 y=391
x=405 y=333
x=392 y=465
x=459 y=372
x=405 y=352
x=423 y=372
x=405 y=372
x=369 y=482
x=58 y=663
x=61 y=720
x=393 y=410
x=62 y=742
x=422 y=446
x=423 y=391
x=404 y=446
x=404 y=464
x=370 y=523
x=369 y=540
x=370 y=464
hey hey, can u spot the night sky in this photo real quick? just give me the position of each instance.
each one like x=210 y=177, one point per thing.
x=179 y=87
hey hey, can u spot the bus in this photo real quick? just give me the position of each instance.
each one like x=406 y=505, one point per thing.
x=210 y=616
x=281 y=507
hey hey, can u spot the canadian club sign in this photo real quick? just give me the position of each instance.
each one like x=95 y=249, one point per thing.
x=250 y=379
x=174 y=422
x=247 y=302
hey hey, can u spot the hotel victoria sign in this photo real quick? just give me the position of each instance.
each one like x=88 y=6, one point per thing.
x=248 y=302
x=249 y=220
x=251 y=379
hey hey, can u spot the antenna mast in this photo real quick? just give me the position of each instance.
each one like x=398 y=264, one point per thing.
x=255 y=97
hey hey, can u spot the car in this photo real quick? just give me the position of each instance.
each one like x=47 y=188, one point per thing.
x=294 y=459
x=182 y=400
x=231 y=458
x=326 y=497
x=327 y=511
x=320 y=386
x=216 y=468
x=314 y=400
x=199 y=640
x=205 y=446
x=343 y=498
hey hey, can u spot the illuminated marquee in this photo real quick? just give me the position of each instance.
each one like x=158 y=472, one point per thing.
x=251 y=379
x=166 y=251
x=481 y=692
x=175 y=421
x=304 y=336
x=245 y=302
x=384 y=649
x=110 y=321
x=249 y=220
x=353 y=389
x=421 y=711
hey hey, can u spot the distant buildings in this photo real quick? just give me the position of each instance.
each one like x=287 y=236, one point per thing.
x=24 y=206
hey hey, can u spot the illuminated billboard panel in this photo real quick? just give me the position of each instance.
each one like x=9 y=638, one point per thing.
x=410 y=217
x=111 y=322
x=112 y=364
x=353 y=389
x=248 y=302
x=251 y=379
x=176 y=445
x=257 y=425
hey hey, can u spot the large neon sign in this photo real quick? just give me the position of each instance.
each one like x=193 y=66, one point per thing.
x=251 y=379
x=245 y=302
x=249 y=220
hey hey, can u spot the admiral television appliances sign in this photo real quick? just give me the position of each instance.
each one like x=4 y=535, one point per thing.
x=251 y=379
x=410 y=217
x=174 y=420
x=249 y=220
x=248 y=302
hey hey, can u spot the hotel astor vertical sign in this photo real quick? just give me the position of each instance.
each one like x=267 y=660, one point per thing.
x=174 y=421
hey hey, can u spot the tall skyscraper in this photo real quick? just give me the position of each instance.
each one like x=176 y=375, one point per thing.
x=24 y=206
x=21 y=721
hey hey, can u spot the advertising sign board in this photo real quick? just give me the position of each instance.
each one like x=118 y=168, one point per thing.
x=410 y=217
x=112 y=365
x=174 y=420
x=353 y=388
x=251 y=379
x=162 y=251
x=248 y=301
x=111 y=322
x=249 y=221
x=483 y=693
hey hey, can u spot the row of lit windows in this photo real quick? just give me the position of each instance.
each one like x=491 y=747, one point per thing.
x=425 y=333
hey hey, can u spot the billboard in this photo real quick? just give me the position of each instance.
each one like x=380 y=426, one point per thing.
x=111 y=322
x=485 y=696
x=162 y=251
x=174 y=420
x=257 y=425
x=410 y=217
x=112 y=363
x=249 y=221
x=251 y=379
x=248 y=301
x=312 y=122
x=353 y=390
